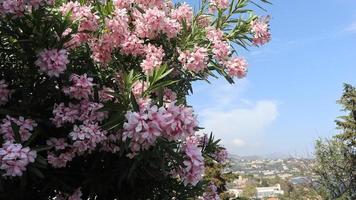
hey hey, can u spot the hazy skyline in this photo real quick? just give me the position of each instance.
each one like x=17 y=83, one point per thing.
x=289 y=96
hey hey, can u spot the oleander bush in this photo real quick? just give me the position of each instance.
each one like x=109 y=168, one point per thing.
x=93 y=95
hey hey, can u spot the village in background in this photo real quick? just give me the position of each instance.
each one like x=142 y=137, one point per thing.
x=273 y=177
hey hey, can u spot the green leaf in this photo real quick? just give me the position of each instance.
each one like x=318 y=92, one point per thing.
x=15 y=129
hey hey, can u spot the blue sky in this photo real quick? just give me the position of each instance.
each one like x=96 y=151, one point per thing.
x=288 y=98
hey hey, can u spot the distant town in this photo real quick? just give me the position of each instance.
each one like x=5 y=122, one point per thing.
x=272 y=178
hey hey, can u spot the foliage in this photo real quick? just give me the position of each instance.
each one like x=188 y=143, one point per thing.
x=347 y=123
x=93 y=95
x=336 y=158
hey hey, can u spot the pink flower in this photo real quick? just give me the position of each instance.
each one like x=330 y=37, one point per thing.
x=237 y=67
x=195 y=61
x=138 y=88
x=57 y=143
x=150 y=3
x=111 y=143
x=221 y=155
x=211 y=193
x=132 y=45
x=142 y=128
x=169 y=95
x=102 y=48
x=82 y=87
x=118 y=27
x=52 y=61
x=219 y=4
x=153 y=58
x=77 y=39
x=260 y=31
x=63 y=114
x=14 y=158
x=106 y=94
x=5 y=93
x=171 y=27
x=193 y=171
x=221 y=51
x=86 y=137
x=87 y=20
x=183 y=13
x=180 y=122
x=25 y=128
x=149 y=24
x=214 y=35
x=15 y=7
x=87 y=131
x=61 y=160
x=89 y=111
x=77 y=195
x=120 y=4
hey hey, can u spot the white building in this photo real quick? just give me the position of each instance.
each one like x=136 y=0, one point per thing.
x=235 y=192
x=265 y=192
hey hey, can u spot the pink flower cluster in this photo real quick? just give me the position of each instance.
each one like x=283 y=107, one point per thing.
x=87 y=20
x=196 y=60
x=14 y=158
x=61 y=160
x=155 y=21
x=153 y=60
x=84 y=111
x=25 y=128
x=132 y=45
x=77 y=195
x=87 y=136
x=211 y=193
x=143 y=127
x=52 y=61
x=81 y=88
x=118 y=27
x=18 y=7
x=138 y=88
x=193 y=171
x=221 y=155
x=214 y=35
x=237 y=67
x=221 y=49
x=120 y=4
x=260 y=31
x=169 y=95
x=57 y=143
x=183 y=13
x=102 y=48
x=5 y=93
x=219 y=4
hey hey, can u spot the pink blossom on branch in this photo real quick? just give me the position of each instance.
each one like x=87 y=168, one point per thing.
x=183 y=13
x=14 y=158
x=81 y=88
x=211 y=193
x=25 y=128
x=237 y=67
x=193 y=171
x=196 y=60
x=52 y=61
x=219 y=4
x=153 y=60
x=260 y=31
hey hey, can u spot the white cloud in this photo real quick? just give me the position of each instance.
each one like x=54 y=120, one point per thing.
x=351 y=28
x=241 y=128
x=238 y=142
